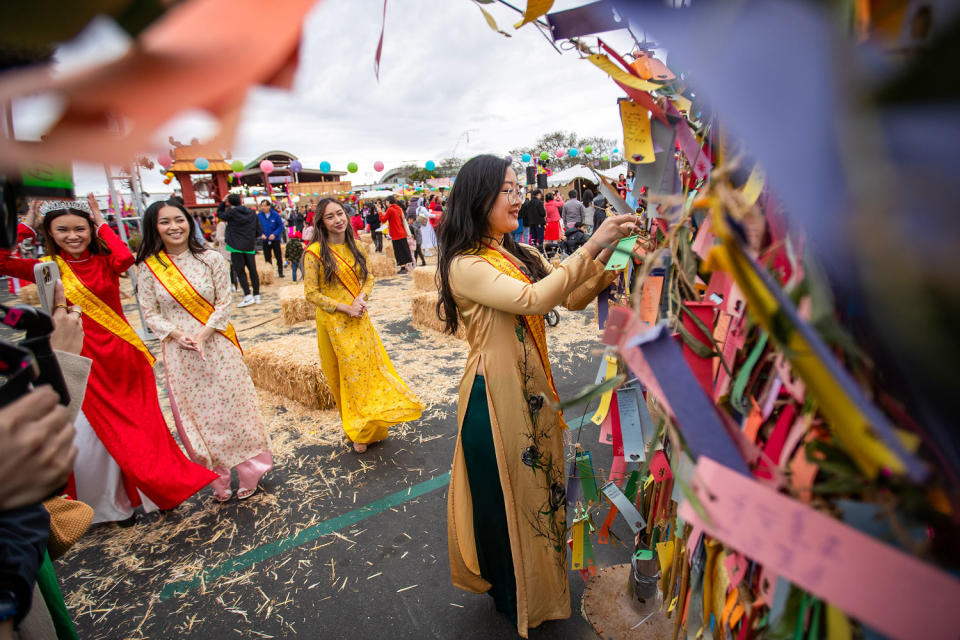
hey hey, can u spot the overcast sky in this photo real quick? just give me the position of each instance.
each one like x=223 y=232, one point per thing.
x=447 y=83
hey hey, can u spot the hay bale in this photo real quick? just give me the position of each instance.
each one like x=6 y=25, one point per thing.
x=366 y=238
x=424 y=278
x=267 y=275
x=388 y=250
x=290 y=367
x=29 y=295
x=294 y=308
x=381 y=266
x=423 y=308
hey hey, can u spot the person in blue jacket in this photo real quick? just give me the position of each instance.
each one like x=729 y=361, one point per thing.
x=271 y=225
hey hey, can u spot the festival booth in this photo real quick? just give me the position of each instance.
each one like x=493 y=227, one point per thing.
x=202 y=173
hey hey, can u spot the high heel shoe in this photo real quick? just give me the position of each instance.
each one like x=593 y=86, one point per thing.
x=250 y=471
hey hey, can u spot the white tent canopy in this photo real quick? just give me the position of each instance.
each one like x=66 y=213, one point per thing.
x=614 y=172
x=373 y=195
x=570 y=174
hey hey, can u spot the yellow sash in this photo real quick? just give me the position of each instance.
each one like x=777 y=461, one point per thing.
x=536 y=326
x=345 y=273
x=96 y=309
x=179 y=287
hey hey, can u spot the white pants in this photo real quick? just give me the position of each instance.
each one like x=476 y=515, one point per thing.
x=98 y=478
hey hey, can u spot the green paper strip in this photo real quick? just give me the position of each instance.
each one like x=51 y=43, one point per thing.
x=632 y=483
x=587 y=479
x=743 y=377
x=621 y=254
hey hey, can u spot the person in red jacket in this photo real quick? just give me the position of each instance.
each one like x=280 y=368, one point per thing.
x=393 y=216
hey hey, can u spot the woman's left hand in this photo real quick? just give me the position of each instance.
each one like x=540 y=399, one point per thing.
x=95 y=209
x=200 y=339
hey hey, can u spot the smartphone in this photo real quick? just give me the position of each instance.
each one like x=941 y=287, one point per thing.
x=46 y=275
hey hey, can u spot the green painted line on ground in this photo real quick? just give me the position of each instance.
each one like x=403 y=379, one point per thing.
x=324 y=528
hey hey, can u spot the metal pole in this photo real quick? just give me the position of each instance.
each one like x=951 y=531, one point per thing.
x=144 y=332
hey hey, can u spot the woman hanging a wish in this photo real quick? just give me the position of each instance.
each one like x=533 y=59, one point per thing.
x=506 y=512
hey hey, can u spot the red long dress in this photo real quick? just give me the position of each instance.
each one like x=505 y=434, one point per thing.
x=121 y=402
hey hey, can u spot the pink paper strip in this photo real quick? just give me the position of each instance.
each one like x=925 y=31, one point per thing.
x=771 y=398
x=618 y=470
x=887 y=589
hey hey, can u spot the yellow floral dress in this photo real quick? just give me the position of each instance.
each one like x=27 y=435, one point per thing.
x=369 y=393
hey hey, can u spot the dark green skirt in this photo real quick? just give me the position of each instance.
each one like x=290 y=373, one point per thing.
x=489 y=512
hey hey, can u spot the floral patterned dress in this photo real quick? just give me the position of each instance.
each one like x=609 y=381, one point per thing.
x=213 y=399
x=369 y=393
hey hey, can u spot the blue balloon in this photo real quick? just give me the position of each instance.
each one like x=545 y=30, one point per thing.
x=201 y=163
x=616 y=150
x=325 y=166
x=431 y=165
x=573 y=152
x=525 y=157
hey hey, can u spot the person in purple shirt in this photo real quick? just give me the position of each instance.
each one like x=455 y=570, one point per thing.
x=271 y=225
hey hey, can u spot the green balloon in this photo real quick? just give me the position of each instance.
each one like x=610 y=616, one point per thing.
x=588 y=149
x=544 y=156
x=352 y=167
x=237 y=166
x=606 y=158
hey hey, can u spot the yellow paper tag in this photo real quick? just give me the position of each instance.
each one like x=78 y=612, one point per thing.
x=751 y=190
x=637 y=141
x=623 y=77
x=577 y=556
x=838 y=626
x=535 y=9
x=604 y=407
x=665 y=555
x=681 y=103
x=673 y=603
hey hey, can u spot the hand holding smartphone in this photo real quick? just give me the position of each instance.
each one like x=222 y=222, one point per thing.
x=46 y=275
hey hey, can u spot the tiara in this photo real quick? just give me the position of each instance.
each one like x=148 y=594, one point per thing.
x=57 y=205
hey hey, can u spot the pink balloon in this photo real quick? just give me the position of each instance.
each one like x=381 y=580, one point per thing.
x=266 y=166
x=165 y=160
x=378 y=166
x=559 y=153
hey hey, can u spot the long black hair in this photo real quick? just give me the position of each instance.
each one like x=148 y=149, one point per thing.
x=464 y=225
x=151 y=244
x=53 y=249
x=326 y=255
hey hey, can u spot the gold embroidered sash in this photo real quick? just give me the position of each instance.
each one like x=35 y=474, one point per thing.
x=98 y=310
x=536 y=326
x=179 y=287
x=345 y=273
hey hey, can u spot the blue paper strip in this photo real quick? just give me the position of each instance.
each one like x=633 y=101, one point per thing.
x=695 y=415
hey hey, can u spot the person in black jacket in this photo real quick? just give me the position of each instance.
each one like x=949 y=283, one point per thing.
x=373 y=220
x=29 y=473
x=576 y=238
x=243 y=229
x=599 y=211
x=535 y=217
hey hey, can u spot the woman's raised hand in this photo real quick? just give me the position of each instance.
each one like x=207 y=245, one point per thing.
x=33 y=214
x=95 y=209
x=615 y=228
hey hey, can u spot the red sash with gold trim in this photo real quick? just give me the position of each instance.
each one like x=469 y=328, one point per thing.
x=177 y=285
x=345 y=273
x=98 y=310
x=536 y=326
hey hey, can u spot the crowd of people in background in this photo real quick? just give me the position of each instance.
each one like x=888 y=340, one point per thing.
x=188 y=268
